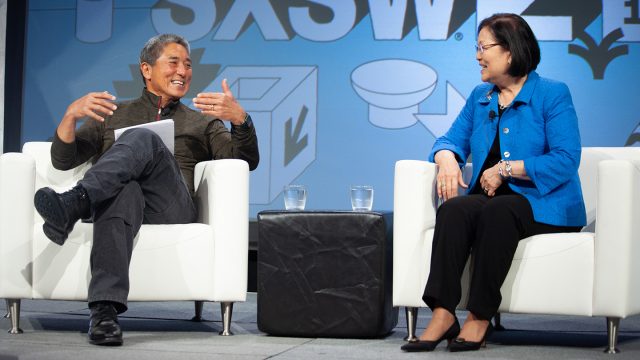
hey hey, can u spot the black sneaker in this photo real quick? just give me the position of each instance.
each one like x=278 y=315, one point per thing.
x=104 y=328
x=61 y=211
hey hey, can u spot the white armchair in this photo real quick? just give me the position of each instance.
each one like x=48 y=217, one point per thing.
x=591 y=273
x=208 y=259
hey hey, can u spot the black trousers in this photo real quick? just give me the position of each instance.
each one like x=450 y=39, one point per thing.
x=136 y=181
x=490 y=229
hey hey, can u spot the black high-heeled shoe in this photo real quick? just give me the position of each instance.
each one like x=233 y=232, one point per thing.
x=428 y=345
x=460 y=344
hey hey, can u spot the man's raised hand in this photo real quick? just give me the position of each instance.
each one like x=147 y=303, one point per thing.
x=222 y=105
x=95 y=105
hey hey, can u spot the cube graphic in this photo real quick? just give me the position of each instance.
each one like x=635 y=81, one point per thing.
x=282 y=101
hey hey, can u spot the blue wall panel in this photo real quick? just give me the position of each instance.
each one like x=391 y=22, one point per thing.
x=340 y=90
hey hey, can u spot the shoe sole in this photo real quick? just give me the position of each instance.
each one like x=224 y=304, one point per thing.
x=52 y=211
x=55 y=235
x=110 y=341
x=421 y=346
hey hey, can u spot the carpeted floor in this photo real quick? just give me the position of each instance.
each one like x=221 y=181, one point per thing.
x=57 y=330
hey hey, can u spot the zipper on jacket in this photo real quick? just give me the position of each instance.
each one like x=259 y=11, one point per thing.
x=159 y=109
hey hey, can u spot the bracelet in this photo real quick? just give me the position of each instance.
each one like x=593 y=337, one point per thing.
x=507 y=168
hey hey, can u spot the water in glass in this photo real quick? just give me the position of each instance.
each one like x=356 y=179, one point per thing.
x=295 y=197
x=361 y=197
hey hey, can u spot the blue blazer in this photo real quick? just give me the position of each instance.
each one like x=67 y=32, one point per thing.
x=541 y=128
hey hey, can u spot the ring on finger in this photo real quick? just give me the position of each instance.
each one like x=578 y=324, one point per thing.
x=212 y=107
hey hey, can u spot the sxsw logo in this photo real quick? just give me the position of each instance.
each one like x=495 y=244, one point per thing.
x=330 y=20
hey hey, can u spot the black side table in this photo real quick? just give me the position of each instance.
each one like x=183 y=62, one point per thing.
x=325 y=273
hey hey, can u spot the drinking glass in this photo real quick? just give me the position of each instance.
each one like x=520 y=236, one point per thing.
x=361 y=197
x=295 y=197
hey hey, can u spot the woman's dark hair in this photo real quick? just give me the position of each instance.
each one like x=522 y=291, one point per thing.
x=515 y=35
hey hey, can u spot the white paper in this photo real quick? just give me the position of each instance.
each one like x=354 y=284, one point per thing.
x=164 y=129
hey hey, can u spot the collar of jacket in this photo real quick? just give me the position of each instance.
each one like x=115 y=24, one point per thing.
x=153 y=101
x=523 y=97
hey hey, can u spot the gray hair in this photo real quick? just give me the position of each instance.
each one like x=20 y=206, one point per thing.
x=154 y=46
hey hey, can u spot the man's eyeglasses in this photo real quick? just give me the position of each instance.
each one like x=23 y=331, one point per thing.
x=482 y=48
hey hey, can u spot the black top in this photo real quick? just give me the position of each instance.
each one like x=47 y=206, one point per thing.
x=492 y=159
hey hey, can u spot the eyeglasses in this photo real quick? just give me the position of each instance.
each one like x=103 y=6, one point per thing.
x=481 y=48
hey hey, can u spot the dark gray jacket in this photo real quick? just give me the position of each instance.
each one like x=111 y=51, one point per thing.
x=197 y=137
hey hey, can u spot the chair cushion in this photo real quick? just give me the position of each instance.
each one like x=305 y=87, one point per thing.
x=162 y=255
x=551 y=274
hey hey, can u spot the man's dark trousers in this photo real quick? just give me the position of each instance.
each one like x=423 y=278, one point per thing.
x=137 y=181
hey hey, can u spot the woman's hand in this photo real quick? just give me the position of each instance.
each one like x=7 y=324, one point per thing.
x=449 y=175
x=491 y=180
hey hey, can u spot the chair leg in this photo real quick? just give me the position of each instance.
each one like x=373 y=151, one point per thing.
x=14 y=310
x=612 y=335
x=411 y=314
x=8 y=314
x=497 y=323
x=198 y=309
x=226 y=309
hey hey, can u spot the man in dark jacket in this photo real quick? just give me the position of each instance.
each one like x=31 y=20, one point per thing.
x=136 y=179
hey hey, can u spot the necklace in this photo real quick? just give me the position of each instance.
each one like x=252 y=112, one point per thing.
x=500 y=106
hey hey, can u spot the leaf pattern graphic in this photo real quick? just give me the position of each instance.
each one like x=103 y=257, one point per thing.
x=598 y=56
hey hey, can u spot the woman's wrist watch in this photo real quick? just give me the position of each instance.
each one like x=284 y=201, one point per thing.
x=506 y=172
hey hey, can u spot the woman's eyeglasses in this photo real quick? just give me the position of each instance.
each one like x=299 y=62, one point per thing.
x=481 y=48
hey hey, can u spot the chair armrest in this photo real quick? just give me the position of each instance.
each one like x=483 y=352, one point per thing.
x=617 y=245
x=17 y=187
x=414 y=216
x=222 y=197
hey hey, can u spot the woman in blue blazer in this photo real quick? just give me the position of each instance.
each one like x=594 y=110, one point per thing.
x=522 y=133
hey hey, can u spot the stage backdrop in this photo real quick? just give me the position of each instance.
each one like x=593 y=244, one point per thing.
x=339 y=90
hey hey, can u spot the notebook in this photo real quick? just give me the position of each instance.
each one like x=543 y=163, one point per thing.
x=164 y=129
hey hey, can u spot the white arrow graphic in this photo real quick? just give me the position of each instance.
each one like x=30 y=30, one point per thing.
x=438 y=124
